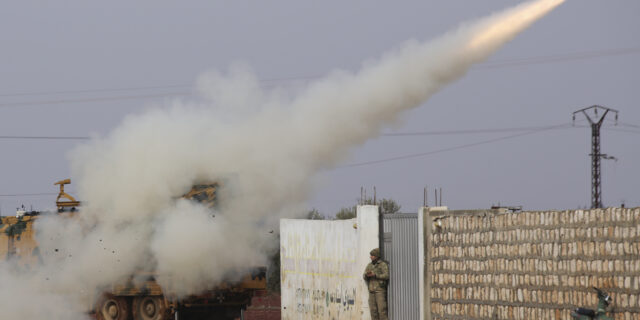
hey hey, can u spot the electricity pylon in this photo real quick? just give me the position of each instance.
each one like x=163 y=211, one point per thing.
x=596 y=189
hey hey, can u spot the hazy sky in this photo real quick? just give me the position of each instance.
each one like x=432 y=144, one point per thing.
x=63 y=63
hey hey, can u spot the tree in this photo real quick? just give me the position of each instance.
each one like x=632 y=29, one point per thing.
x=314 y=214
x=387 y=206
x=346 y=213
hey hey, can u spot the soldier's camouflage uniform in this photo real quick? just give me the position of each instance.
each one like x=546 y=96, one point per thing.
x=377 y=286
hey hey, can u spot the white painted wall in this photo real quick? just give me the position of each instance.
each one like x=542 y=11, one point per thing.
x=322 y=263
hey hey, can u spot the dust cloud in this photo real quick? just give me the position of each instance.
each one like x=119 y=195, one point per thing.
x=264 y=146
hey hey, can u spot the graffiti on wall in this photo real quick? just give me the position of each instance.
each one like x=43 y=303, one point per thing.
x=319 y=302
x=320 y=271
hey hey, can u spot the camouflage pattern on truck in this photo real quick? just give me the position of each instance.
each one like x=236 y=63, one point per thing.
x=17 y=241
x=140 y=300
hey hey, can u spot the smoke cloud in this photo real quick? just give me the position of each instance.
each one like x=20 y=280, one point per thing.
x=265 y=146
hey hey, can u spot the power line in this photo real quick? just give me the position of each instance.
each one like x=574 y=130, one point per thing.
x=45 y=93
x=139 y=88
x=425 y=133
x=468 y=145
x=495 y=64
x=98 y=99
x=44 y=138
x=470 y=131
x=27 y=194
x=266 y=82
x=559 y=58
x=618 y=124
x=622 y=130
x=624 y=124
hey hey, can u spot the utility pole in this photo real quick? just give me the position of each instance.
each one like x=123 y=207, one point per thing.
x=596 y=123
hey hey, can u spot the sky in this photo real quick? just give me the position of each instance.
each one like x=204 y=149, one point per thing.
x=77 y=69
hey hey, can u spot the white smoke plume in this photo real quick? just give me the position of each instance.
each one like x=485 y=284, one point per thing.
x=264 y=145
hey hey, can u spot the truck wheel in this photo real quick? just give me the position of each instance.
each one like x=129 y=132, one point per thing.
x=111 y=307
x=150 y=308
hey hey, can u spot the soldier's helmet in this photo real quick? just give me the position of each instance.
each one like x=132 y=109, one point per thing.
x=375 y=252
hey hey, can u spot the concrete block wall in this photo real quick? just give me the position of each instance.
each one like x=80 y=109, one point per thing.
x=533 y=265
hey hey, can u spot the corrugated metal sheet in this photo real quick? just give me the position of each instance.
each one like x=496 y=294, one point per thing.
x=401 y=250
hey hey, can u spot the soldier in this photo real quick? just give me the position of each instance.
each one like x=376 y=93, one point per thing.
x=377 y=277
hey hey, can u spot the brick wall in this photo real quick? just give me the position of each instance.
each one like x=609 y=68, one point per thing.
x=533 y=265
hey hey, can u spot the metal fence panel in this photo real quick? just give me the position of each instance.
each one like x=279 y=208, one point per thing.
x=401 y=250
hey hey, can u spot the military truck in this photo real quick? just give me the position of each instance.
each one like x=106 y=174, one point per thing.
x=139 y=300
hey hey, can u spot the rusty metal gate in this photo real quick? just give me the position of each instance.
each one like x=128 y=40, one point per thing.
x=403 y=249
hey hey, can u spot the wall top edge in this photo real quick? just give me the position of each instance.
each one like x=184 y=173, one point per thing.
x=400 y=215
x=493 y=212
